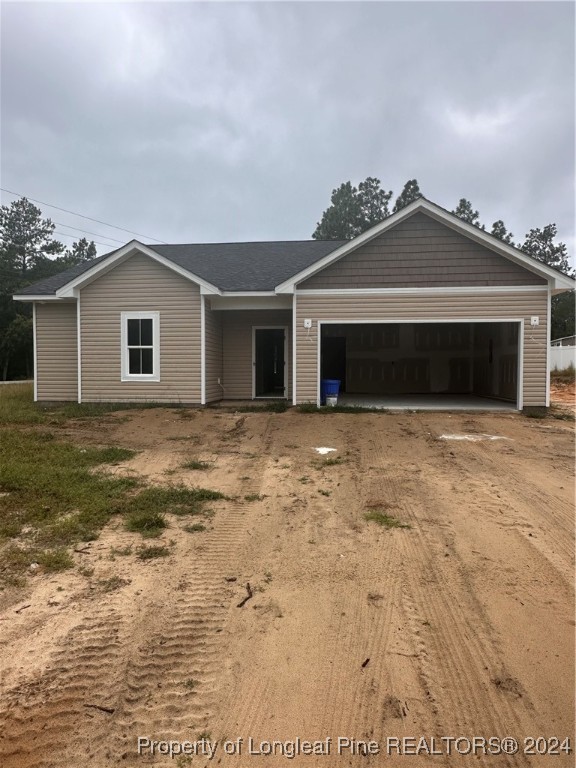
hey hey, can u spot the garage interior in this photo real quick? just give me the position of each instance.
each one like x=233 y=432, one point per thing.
x=429 y=366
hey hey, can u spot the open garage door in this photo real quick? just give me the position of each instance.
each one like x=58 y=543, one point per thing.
x=437 y=364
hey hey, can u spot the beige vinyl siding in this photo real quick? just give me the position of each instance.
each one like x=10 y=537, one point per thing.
x=140 y=284
x=237 y=338
x=421 y=252
x=414 y=308
x=213 y=345
x=56 y=351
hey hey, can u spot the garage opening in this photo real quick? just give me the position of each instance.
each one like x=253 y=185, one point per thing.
x=423 y=365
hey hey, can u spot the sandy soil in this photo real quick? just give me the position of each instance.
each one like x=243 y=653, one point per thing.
x=460 y=625
x=563 y=393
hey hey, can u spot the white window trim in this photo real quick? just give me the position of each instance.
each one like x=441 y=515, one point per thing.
x=155 y=317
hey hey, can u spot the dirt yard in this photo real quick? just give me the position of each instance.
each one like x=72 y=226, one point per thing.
x=460 y=624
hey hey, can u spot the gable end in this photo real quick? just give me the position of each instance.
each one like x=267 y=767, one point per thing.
x=420 y=252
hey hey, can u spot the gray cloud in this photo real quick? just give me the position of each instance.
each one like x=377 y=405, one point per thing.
x=194 y=122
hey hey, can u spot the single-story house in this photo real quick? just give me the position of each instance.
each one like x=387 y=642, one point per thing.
x=421 y=304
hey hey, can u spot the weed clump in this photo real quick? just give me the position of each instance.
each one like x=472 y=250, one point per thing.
x=386 y=521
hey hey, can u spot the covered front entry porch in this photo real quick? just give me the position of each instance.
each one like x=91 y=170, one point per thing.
x=248 y=350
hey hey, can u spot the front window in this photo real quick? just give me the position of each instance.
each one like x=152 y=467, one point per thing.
x=140 y=346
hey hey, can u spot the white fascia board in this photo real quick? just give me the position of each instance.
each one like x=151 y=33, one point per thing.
x=464 y=290
x=134 y=246
x=31 y=297
x=559 y=281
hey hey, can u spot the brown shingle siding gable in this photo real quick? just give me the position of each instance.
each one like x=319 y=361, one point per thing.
x=420 y=252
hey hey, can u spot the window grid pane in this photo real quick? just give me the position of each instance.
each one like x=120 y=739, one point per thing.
x=146 y=360
x=133 y=333
x=135 y=361
x=145 y=332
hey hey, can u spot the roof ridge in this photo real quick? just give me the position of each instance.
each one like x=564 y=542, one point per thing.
x=246 y=242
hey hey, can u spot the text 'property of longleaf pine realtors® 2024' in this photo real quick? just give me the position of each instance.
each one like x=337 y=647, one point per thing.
x=345 y=745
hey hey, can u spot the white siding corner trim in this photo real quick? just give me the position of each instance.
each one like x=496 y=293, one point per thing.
x=125 y=370
x=35 y=352
x=202 y=349
x=548 y=339
x=79 y=347
x=294 y=401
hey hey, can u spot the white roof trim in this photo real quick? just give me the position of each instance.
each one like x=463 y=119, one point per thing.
x=30 y=297
x=134 y=246
x=458 y=290
x=556 y=279
x=248 y=293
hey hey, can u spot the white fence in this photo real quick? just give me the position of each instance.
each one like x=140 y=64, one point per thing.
x=562 y=357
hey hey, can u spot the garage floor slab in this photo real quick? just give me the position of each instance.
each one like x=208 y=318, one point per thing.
x=427 y=402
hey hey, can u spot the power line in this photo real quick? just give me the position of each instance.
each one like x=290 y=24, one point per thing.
x=67 y=234
x=87 y=232
x=65 y=210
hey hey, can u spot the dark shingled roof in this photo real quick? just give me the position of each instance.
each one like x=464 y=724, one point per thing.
x=228 y=266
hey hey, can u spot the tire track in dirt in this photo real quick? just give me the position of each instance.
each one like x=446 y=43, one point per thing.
x=499 y=489
x=42 y=714
x=160 y=673
x=460 y=649
x=175 y=689
x=357 y=620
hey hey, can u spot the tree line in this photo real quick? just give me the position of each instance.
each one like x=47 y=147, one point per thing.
x=354 y=210
x=28 y=253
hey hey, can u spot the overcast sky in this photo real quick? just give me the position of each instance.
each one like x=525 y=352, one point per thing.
x=192 y=122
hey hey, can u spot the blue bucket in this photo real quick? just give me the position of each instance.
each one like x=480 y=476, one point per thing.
x=328 y=388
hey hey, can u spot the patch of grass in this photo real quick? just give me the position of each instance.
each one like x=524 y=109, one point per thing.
x=185 y=413
x=304 y=479
x=564 y=376
x=54 y=560
x=122 y=551
x=279 y=406
x=323 y=492
x=275 y=406
x=52 y=496
x=200 y=465
x=174 y=499
x=191 y=684
x=17 y=406
x=254 y=497
x=52 y=491
x=147 y=522
x=313 y=408
x=386 y=521
x=562 y=415
x=111 y=584
x=195 y=528
x=149 y=553
x=332 y=462
x=308 y=408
